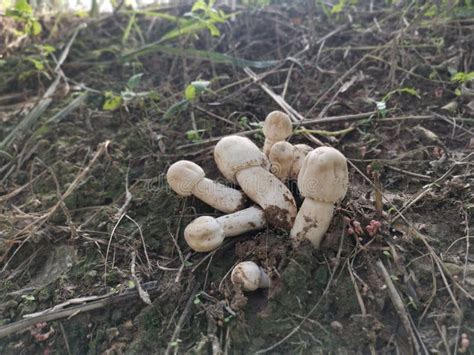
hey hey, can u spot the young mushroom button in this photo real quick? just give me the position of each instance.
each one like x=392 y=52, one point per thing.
x=249 y=276
x=277 y=127
x=281 y=158
x=286 y=159
x=187 y=178
x=301 y=151
x=323 y=181
x=207 y=233
x=240 y=161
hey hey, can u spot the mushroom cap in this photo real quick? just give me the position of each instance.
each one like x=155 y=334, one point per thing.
x=247 y=274
x=204 y=234
x=303 y=148
x=234 y=153
x=277 y=126
x=301 y=151
x=281 y=156
x=324 y=176
x=183 y=175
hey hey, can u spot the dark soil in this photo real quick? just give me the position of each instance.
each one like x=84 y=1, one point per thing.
x=83 y=192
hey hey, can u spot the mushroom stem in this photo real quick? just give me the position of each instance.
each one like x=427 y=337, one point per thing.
x=207 y=233
x=323 y=181
x=249 y=276
x=187 y=178
x=221 y=197
x=243 y=221
x=240 y=161
x=270 y=193
x=312 y=221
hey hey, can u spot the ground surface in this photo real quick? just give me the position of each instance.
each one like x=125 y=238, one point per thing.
x=85 y=210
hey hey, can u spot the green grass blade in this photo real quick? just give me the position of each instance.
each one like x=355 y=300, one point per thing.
x=214 y=57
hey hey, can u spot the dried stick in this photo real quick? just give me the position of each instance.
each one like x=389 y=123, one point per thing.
x=107 y=300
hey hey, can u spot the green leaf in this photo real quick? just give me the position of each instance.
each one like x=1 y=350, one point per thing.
x=199 y=5
x=462 y=77
x=39 y=65
x=176 y=108
x=194 y=135
x=134 y=81
x=47 y=49
x=431 y=11
x=35 y=28
x=213 y=30
x=112 y=101
x=190 y=93
x=195 y=89
x=128 y=29
x=190 y=27
x=410 y=91
x=22 y=6
x=338 y=7
x=457 y=92
x=214 y=57
x=157 y=14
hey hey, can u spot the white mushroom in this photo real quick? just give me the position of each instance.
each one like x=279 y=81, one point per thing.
x=277 y=127
x=240 y=161
x=286 y=159
x=207 y=233
x=323 y=181
x=281 y=158
x=249 y=276
x=187 y=178
x=301 y=151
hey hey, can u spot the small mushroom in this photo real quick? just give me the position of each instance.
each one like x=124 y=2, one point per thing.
x=187 y=178
x=323 y=181
x=249 y=276
x=240 y=161
x=282 y=156
x=286 y=159
x=207 y=233
x=301 y=151
x=277 y=127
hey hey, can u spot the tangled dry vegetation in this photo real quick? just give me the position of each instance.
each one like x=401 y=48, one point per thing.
x=90 y=232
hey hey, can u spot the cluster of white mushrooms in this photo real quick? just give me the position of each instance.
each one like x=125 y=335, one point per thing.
x=321 y=175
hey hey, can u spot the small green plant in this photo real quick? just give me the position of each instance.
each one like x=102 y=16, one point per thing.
x=195 y=135
x=195 y=89
x=23 y=13
x=461 y=78
x=114 y=101
x=191 y=93
x=382 y=104
x=202 y=16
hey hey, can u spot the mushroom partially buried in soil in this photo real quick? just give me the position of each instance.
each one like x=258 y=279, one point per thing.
x=286 y=159
x=207 y=233
x=187 y=178
x=323 y=181
x=240 y=161
x=249 y=276
x=277 y=127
